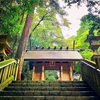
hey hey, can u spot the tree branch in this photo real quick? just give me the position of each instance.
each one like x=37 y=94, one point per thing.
x=38 y=24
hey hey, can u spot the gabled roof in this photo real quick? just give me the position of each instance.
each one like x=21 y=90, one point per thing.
x=52 y=54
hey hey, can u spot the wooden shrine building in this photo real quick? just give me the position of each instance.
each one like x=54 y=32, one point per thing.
x=52 y=59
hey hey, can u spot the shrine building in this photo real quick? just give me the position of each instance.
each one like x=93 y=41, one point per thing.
x=52 y=59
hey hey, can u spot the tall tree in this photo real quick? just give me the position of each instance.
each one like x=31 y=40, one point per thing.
x=24 y=39
x=12 y=19
x=49 y=32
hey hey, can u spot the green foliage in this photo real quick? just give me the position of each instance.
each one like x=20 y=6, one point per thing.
x=46 y=34
x=66 y=22
x=87 y=54
x=69 y=41
x=11 y=12
x=51 y=75
x=77 y=67
x=80 y=39
x=26 y=73
x=12 y=18
x=89 y=25
x=92 y=23
x=42 y=3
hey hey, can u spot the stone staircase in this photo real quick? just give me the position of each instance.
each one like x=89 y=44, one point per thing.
x=48 y=90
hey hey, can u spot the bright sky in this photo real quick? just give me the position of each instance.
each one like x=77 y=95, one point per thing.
x=74 y=15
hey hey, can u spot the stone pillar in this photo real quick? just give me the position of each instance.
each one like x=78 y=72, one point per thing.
x=61 y=73
x=33 y=72
x=42 y=78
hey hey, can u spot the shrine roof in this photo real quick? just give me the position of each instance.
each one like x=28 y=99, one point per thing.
x=52 y=54
x=6 y=37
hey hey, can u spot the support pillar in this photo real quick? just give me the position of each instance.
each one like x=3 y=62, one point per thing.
x=71 y=70
x=33 y=73
x=61 y=73
x=42 y=78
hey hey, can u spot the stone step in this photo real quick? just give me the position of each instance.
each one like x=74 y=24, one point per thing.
x=49 y=98
x=12 y=88
x=51 y=84
x=30 y=81
x=47 y=93
x=48 y=90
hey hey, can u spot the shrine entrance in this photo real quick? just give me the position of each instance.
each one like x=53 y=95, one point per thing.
x=65 y=69
x=52 y=75
x=61 y=60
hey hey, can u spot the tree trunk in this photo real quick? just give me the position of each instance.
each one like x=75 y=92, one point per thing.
x=16 y=36
x=23 y=44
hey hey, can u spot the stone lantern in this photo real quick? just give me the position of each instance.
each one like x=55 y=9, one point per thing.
x=94 y=45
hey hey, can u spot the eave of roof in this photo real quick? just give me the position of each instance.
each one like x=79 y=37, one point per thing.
x=52 y=54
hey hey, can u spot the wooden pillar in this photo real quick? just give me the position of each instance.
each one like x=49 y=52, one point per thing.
x=61 y=73
x=70 y=73
x=33 y=73
x=42 y=78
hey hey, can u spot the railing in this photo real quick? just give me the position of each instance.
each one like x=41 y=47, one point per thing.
x=91 y=74
x=8 y=72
